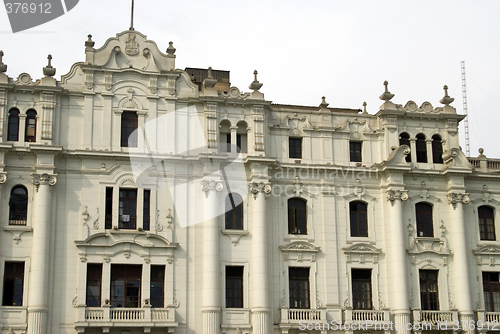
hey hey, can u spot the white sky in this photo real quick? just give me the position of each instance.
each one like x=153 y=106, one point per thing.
x=302 y=49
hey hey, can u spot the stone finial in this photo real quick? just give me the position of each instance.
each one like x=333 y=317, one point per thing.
x=210 y=81
x=446 y=100
x=323 y=103
x=364 y=108
x=89 y=43
x=386 y=96
x=255 y=85
x=171 y=49
x=3 y=67
x=48 y=70
x=481 y=151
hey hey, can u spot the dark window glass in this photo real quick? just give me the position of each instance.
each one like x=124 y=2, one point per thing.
x=486 y=223
x=238 y=142
x=299 y=287
x=13 y=282
x=355 y=151
x=129 y=125
x=234 y=212
x=30 y=134
x=437 y=149
x=429 y=297
x=425 y=227
x=125 y=285
x=295 y=148
x=94 y=284
x=13 y=130
x=404 y=139
x=128 y=208
x=421 y=148
x=361 y=289
x=18 y=206
x=157 y=286
x=491 y=290
x=146 y=212
x=297 y=219
x=108 y=214
x=358 y=219
x=228 y=142
x=234 y=287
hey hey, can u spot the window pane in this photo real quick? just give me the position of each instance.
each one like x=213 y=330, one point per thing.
x=125 y=285
x=13 y=284
x=234 y=286
x=128 y=127
x=299 y=287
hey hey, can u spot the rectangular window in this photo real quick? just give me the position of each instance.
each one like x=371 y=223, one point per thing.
x=108 y=214
x=94 y=284
x=157 y=286
x=129 y=125
x=295 y=148
x=361 y=289
x=297 y=216
x=146 y=212
x=355 y=151
x=228 y=142
x=128 y=208
x=126 y=285
x=234 y=286
x=491 y=289
x=429 y=296
x=299 y=287
x=13 y=283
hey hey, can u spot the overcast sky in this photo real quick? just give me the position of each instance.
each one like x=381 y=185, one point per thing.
x=302 y=49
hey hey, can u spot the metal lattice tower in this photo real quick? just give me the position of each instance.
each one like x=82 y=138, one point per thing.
x=466 y=119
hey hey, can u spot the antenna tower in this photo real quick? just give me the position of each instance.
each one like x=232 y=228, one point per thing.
x=466 y=119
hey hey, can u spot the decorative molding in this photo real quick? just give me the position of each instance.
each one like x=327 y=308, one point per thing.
x=296 y=250
x=207 y=185
x=256 y=187
x=454 y=198
x=44 y=179
x=234 y=235
x=393 y=195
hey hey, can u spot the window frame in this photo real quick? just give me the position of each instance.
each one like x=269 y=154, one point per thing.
x=234 y=213
x=14 y=275
x=426 y=291
x=404 y=139
x=421 y=148
x=355 y=224
x=437 y=149
x=295 y=147
x=489 y=288
x=126 y=204
x=486 y=228
x=424 y=226
x=355 y=151
x=295 y=224
x=126 y=278
x=361 y=290
x=161 y=285
x=96 y=277
x=129 y=125
x=13 y=114
x=146 y=210
x=234 y=284
x=22 y=214
x=296 y=295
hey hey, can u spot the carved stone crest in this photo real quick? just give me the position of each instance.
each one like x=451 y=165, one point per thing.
x=131 y=46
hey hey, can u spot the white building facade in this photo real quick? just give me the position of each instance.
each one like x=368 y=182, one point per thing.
x=139 y=198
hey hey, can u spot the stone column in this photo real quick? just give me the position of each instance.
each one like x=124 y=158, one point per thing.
x=259 y=266
x=397 y=253
x=428 y=143
x=211 y=264
x=40 y=261
x=413 y=150
x=461 y=262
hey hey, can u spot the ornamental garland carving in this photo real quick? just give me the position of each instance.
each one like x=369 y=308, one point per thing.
x=393 y=195
x=454 y=198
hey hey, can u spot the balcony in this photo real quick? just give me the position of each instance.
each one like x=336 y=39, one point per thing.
x=484 y=164
x=432 y=319
x=367 y=317
x=490 y=320
x=107 y=317
x=291 y=318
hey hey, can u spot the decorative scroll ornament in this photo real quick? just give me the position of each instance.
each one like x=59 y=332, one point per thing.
x=206 y=186
x=3 y=178
x=44 y=179
x=74 y=301
x=256 y=188
x=96 y=222
x=393 y=195
x=454 y=198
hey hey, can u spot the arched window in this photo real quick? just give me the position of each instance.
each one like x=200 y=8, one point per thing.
x=437 y=149
x=404 y=139
x=358 y=219
x=486 y=223
x=13 y=130
x=30 y=134
x=18 y=206
x=225 y=137
x=234 y=212
x=425 y=227
x=297 y=218
x=241 y=137
x=421 y=148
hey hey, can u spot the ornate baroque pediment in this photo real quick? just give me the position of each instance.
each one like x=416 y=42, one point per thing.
x=361 y=253
x=299 y=251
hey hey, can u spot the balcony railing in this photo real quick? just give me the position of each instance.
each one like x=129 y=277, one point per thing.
x=488 y=318
x=18 y=218
x=367 y=316
x=435 y=318
x=294 y=316
x=126 y=317
x=484 y=164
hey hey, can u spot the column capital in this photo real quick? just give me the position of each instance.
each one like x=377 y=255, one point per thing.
x=456 y=197
x=393 y=195
x=256 y=187
x=43 y=179
x=207 y=185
